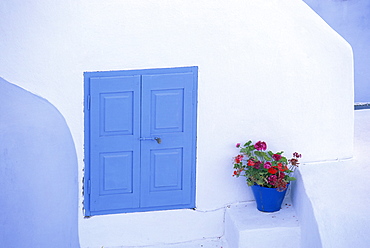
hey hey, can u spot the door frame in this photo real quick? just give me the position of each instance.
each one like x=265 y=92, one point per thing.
x=87 y=104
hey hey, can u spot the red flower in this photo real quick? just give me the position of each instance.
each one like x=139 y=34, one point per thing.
x=237 y=145
x=250 y=163
x=267 y=165
x=276 y=157
x=272 y=170
x=282 y=167
x=238 y=159
x=257 y=165
x=272 y=179
x=281 y=175
x=294 y=161
x=297 y=155
x=260 y=145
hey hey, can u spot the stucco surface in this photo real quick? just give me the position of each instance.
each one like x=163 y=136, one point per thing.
x=268 y=70
x=38 y=173
x=351 y=19
x=335 y=204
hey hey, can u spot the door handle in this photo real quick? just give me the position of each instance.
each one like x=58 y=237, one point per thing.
x=159 y=140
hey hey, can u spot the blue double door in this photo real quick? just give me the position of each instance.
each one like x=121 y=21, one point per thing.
x=140 y=131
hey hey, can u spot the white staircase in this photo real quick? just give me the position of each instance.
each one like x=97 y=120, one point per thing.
x=246 y=227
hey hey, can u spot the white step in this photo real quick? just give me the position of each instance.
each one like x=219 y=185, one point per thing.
x=246 y=227
x=204 y=243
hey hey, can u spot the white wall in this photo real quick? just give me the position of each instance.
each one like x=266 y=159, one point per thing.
x=332 y=205
x=269 y=70
x=351 y=19
x=38 y=179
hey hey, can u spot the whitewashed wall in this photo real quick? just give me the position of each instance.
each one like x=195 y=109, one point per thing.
x=268 y=70
x=38 y=180
x=351 y=19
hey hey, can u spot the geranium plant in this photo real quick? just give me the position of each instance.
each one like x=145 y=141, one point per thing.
x=264 y=168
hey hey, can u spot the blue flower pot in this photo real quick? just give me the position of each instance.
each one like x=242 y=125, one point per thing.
x=268 y=199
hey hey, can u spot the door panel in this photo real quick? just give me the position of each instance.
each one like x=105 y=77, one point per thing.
x=116 y=173
x=115 y=145
x=117 y=113
x=167 y=108
x=167 y=114
x=166 y=169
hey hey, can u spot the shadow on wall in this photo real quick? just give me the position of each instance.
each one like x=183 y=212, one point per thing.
x=38 y=173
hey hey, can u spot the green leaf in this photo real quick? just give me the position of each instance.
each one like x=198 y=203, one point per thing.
x=266 y=157
x=248 y=143
x=284 y=159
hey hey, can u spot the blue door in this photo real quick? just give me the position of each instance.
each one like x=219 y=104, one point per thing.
x=114 y=133
x=140 y=140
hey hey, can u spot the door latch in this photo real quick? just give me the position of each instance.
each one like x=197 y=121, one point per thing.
x=159 y=140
